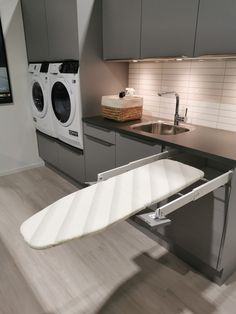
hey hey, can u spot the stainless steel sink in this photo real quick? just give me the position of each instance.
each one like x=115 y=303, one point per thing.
x=160 y=128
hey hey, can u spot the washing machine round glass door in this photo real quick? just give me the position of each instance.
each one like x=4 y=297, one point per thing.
x=62 y=102
x=38 y=98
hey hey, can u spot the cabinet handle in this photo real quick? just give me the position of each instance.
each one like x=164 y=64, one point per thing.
x=138 y=139
x=98 y=127
x=97 y=140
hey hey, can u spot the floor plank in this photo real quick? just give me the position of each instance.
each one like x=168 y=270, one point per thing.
x=117 y=271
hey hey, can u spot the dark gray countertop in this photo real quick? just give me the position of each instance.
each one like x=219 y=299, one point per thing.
x=213 y=143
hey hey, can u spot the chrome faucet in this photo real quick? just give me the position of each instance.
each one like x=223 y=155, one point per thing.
x=177 y=117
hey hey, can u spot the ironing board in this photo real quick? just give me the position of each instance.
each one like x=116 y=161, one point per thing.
x=96 y=207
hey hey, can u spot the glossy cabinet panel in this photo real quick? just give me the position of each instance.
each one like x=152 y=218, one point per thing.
x=35 y=26
x=51 y=29
x=121 y=29
x=216 y=27
x=168 y=28
x=62 y=29
x=71 y=162
x=129 y=149
x=99 y=157
x=48 y=149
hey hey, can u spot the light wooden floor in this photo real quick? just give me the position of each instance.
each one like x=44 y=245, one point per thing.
x=117 y=271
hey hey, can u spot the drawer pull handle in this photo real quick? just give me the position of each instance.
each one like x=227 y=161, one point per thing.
x=97 y=140
x=138 y=139
x=98 y=127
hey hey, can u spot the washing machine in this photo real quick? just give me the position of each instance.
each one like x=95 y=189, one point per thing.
x=39 y=88
x=65 y=100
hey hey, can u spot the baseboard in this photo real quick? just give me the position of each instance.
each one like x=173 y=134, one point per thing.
x=23 y=168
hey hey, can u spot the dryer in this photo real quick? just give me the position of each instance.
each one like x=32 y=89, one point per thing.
x=39 y=87
x=65 y=99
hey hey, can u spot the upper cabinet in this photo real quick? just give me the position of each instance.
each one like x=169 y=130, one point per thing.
x=216 y=27
x=136 y=29
x=35 y=25
x=62 y=25
x=168 y=28
x=121 y=29
x=51 y=29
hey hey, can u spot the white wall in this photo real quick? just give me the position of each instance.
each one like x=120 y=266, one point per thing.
x=18 y=145
x=207 y=88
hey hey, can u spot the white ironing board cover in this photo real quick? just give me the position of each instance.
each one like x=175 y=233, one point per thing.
x=98 y=206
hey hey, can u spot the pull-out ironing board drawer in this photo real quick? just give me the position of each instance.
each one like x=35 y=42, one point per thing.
x=119 y=194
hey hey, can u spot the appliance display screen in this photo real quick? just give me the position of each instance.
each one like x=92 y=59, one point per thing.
x=5 y=86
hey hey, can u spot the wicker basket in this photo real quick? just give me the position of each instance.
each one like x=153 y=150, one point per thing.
x=122 y=114
x=122 y=109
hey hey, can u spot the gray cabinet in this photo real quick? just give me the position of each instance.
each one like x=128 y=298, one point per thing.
x=62 y=28
x=63 y=157
x=168 y=28
x=129 y=149
x=121 y=29
x=137 y=29
x=197 y=228
x=35 y=25
x=216 y=27
x=99 y=145
x=51 y=29
x=71 y=162
x=48 y=149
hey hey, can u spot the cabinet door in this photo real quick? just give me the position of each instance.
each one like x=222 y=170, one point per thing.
x=71 y=162
x=48 y=149
x=121 y=29
x=168 y=28
x=35 y=25
x=197 y=227
x=129 y=149
x=99 y=156
x=216 y=27
x=62 y=29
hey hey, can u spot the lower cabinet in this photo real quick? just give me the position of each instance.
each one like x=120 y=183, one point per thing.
x=63 y=157
x=100 y=150
x=129 y=149
x=197 y=228
x=103 y=150
x=71 y=162
x=48 y=149
x=100 y=156
x=106 y=149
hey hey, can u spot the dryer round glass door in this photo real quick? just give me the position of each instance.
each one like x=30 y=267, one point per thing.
x=62 y=104
x=38 y=99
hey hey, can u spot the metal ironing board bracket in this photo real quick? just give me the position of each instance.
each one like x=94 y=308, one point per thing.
x=135 y=164
x=158 y=217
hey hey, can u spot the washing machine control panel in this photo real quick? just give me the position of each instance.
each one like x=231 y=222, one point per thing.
x=69 y=67
x=66 y=67
x=44 y=67
x=34 y=67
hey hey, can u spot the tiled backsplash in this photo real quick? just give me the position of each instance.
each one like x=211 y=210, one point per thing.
x=206 y=88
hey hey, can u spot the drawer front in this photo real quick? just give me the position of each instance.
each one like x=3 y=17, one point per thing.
x=99 y=132
x=71 y=162
x=48 y=149
x=129 y=149
x=99 y=157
